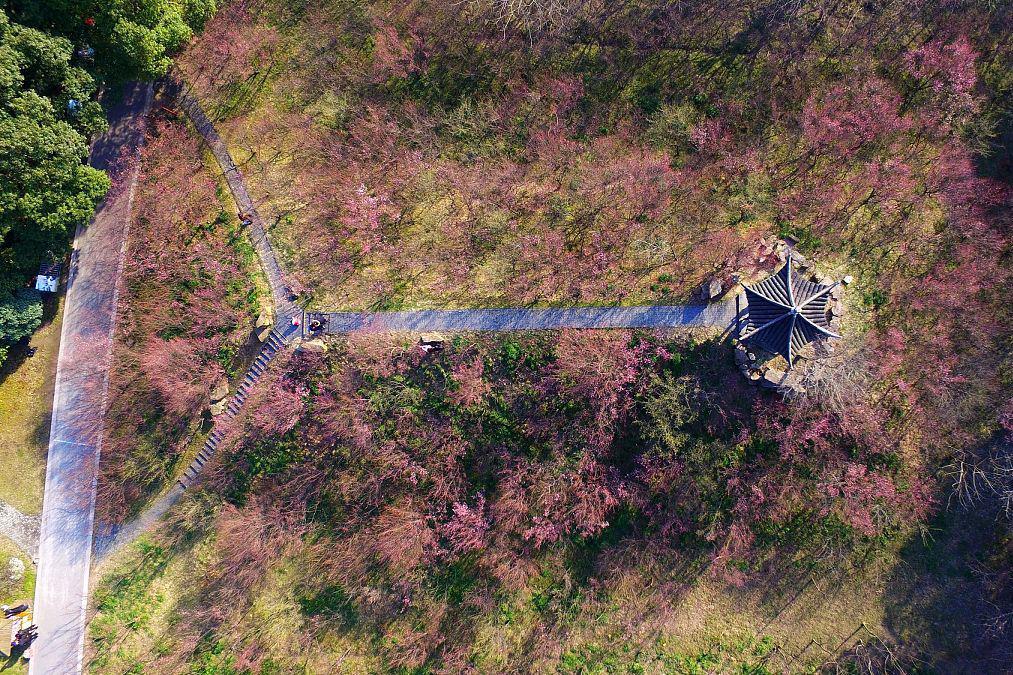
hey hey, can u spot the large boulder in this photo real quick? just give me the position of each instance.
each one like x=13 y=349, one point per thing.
x=772 y=378
x=15 y=569
x=712 y=289
x=318 y=346
x=218 y=407
x=264 y=319
x=220 y=390
x=263 y=333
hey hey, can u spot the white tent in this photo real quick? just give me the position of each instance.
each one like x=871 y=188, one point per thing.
x=46 y=284
x=48 y=279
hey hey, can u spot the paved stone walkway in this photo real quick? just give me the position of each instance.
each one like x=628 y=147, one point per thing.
x=719 y=315
x=237 y=185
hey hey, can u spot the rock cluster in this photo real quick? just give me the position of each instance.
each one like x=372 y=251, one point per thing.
x=15 y=569
x=746 y=361
x=219 y=394
x=787 y=383
x=263 y=327
x=316 y=345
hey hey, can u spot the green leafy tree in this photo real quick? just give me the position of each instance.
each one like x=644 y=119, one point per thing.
x=46 y=190
x=131 y=38
x=20 y=315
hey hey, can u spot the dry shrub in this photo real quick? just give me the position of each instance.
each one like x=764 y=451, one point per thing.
x=249 y=540
x=234 y=48
x=275 y=404
x=405 y=539
x=471 y=386
x=375 y=353
x=179 y=373
x=181 y=310
x=414 y=641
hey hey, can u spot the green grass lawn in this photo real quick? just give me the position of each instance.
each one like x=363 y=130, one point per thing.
x=26 y=403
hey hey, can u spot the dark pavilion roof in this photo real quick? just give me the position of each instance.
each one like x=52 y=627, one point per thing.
x=786 y=312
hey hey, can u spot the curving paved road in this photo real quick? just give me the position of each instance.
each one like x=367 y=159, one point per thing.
x=75 y=440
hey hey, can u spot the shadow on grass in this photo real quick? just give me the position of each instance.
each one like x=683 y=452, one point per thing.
x=18 y=352
x=11 y=660
x=998 y=164
x=937 y=608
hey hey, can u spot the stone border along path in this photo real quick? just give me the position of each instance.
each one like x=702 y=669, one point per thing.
x=718 y=315
x=21 y=529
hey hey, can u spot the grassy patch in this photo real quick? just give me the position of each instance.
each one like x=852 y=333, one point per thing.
x=127 y=599
x=332 y=603
x=26 y=405
x=139 y=602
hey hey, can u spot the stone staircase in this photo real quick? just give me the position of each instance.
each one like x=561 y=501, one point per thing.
x=273 y=346
x=283 y=332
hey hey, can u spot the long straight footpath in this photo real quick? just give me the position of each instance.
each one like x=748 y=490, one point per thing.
x=68 y=510
x=713 y=315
